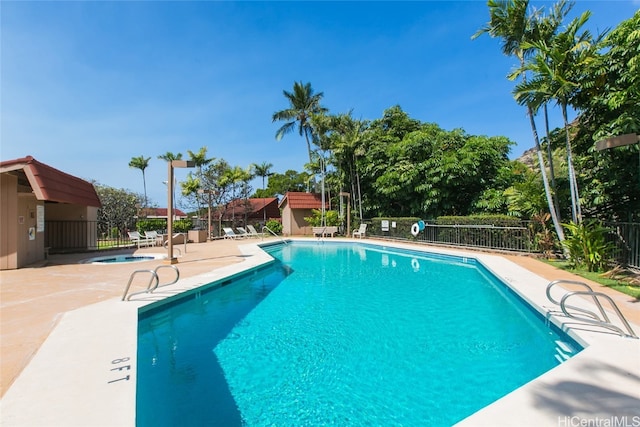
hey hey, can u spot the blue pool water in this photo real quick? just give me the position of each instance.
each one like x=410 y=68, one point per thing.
x=340 y=334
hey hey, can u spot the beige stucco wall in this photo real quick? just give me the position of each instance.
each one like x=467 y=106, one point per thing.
x=293 y=223
x=30 y=236
x=8 y=219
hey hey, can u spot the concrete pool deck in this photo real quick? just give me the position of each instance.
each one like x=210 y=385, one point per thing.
x=68 y=342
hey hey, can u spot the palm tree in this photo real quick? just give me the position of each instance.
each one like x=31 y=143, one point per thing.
x=141 y=163
x=169 y=156
x=510 y=21
x=557 y=71
x=263 y=170
x=348 y=145
x=302 y=104
x=200 y=159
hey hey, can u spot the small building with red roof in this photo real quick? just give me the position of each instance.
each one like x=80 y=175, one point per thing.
x=295 y=206
x=32 y=192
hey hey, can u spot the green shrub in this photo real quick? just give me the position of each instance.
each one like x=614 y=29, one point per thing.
x=274 y=226
x=182 y=225
x=587 y=245
x=332 y=218
x=153 y=224
x=402 y=230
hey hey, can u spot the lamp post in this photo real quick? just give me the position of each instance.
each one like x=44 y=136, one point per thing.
x=173 y=164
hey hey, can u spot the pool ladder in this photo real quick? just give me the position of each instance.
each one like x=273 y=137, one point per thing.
x=588 y=316
x=271 y=231
x=154 y=281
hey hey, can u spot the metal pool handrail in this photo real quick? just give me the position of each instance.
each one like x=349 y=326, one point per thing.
x=154 y=278
x=593 y=318
x=271 y=231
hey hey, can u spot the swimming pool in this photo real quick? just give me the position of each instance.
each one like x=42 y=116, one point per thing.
x=346 y=334
x=117 y=259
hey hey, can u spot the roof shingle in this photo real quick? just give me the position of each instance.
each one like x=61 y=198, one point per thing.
x=52 y=185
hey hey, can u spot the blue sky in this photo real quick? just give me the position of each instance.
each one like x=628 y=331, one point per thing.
x=86 y=86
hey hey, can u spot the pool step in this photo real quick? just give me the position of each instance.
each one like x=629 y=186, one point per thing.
x=564 y=351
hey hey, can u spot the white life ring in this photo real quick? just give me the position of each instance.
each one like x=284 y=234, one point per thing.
x=415 y=264
x=415 y=229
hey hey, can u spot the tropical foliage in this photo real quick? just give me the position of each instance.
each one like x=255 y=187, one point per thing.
x=587 y=245
x=118 y=210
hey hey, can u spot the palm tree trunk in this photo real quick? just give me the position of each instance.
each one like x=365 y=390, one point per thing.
x=543 y=171
x=144 y=184
x=556 y=204
x=306 y=136
x=573 y=183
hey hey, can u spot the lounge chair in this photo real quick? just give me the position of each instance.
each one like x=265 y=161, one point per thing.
x=253 y=232
x=230 y=234
x=140 y=240
x=242 y=232
x=361 y=232
x=153 y=235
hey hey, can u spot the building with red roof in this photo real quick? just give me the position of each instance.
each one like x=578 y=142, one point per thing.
x=295 y=206
x=32 y=192
x=251 y=211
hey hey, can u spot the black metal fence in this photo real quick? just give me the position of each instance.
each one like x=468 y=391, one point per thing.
x=78 y=236
x=520 y=238
x=626 y=236
x=512 y=238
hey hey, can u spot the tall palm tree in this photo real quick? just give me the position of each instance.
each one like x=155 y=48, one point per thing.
x=511 y=21
x=557 y=71
x=263 y=170
x=303 y=103
x=141 y=163
x=348 y=145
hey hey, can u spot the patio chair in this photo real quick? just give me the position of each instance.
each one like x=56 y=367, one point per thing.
x=242 y=232
x=230 y=234
x=153 y=235
x=361 y=232
x=140 y=240
x=253 y=232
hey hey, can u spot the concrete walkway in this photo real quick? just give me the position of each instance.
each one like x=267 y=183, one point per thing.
x=33 y=299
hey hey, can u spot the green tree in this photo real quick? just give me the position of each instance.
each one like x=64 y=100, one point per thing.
x=347 y=145
x=280 y=184
x=510 y=21
x=303 y=103
x=119 y=209
x=141 y=163
x=262 y=170
x=557 y=68
x=608 y=102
